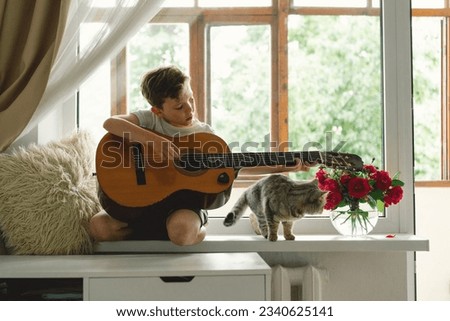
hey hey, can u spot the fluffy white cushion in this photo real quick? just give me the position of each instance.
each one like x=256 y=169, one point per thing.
x=47 y=196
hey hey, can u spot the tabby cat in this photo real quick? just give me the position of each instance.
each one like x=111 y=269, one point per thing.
x=275 y=199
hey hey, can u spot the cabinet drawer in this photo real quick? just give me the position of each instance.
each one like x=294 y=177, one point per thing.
x=215 y=288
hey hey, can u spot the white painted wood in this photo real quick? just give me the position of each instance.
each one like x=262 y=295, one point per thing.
x=129 y=277
x=255 y=243
x=201 y=288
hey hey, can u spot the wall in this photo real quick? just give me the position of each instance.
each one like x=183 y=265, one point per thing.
x=433 y=222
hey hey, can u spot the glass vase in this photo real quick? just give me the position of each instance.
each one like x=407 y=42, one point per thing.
x=354 y=223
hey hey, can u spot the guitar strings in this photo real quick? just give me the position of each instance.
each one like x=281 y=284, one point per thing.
x=232 y=159
x=219 y=160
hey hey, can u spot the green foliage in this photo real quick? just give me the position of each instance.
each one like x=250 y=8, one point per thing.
x=335 y=83
x=153 y=46
x=335 y=77
x=240 y=84
x=427 y=99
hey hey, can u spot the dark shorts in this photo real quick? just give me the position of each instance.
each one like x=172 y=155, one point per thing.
x=148 y=223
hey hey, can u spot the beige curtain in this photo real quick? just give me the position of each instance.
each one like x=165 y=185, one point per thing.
x=30 y=34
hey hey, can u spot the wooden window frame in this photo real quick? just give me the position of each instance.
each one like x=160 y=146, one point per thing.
x=200 y=19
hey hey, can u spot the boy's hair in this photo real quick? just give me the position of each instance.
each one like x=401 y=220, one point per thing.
x=161 y=83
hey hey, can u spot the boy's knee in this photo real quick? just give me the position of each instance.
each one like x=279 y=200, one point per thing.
x=183 y=227
x=103 y=227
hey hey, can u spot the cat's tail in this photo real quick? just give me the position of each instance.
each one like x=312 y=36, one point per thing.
x=237 y=211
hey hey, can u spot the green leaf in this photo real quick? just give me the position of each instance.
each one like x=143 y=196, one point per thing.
x=396 y=182
x=380 y=205
x=376 y=194
x=372 y=202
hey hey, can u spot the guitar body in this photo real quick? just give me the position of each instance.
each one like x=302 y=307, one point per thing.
x=201 y=178
x=133 y=179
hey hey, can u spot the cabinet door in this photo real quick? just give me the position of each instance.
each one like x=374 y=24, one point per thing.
x=215 y=288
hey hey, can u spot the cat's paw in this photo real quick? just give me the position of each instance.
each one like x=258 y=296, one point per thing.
x=289 y=237
x=230 y=219
x=273 y=237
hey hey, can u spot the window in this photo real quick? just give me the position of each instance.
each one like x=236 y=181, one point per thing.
x=310 y=70
x=95 y=93
x=240 y=84
x=335 y=95
x=154 y=45
x=166 y=43
x=427 y=54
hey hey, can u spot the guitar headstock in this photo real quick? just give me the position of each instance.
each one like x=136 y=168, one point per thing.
x=338 y=160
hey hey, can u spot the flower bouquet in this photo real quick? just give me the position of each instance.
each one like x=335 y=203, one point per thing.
x=348 y=190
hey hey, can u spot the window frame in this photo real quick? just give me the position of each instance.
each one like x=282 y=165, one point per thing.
x=397 y=86
x=200 y=19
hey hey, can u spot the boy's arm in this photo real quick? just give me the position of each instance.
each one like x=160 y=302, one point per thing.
x=127 y=126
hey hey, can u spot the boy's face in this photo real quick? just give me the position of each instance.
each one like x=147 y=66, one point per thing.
x=179 y=111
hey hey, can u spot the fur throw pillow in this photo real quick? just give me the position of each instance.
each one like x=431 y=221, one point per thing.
x=47 y=196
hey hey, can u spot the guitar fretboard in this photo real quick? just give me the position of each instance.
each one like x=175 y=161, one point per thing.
x=198 y=161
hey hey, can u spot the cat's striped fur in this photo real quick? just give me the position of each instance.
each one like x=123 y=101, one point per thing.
x=275 y=199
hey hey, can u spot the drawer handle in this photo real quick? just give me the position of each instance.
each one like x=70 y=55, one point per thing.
x=176 y=279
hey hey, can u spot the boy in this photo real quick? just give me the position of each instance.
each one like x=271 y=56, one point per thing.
x=172 y=112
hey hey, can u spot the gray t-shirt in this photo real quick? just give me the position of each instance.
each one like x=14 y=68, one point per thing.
x=149 y=120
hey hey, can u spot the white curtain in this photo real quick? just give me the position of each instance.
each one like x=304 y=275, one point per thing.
x=119 y=22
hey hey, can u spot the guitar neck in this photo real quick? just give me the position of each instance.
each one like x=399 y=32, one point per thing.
x=240 y=160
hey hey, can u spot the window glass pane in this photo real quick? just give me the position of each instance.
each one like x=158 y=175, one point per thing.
x=95 y=93
x=112 y=3
x=330 y=3
x=428 y=3
x=103 y=3
x=234 y=3
x=178 y=3
x=335 y=85
x=95 y=101
x=427 y=97
x=240 y=85
x=153 y=46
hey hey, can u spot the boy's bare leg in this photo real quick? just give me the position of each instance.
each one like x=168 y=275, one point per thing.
x=184 y=227
x=103 y=227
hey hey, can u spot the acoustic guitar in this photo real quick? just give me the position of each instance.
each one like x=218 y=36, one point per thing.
x=203 y=174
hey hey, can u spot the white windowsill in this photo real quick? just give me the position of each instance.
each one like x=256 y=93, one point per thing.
x=302 y=243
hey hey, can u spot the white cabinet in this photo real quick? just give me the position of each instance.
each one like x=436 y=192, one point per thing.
x=214 y=288
x=200 y=276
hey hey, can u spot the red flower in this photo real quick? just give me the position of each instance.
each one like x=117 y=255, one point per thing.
x=382 y=180
x=321 y=175
x=352 y=188
x=358 y=187
x=333 y=200
x=329 y=185
x=345 y=179
x=370 y=169
x=393 y=195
